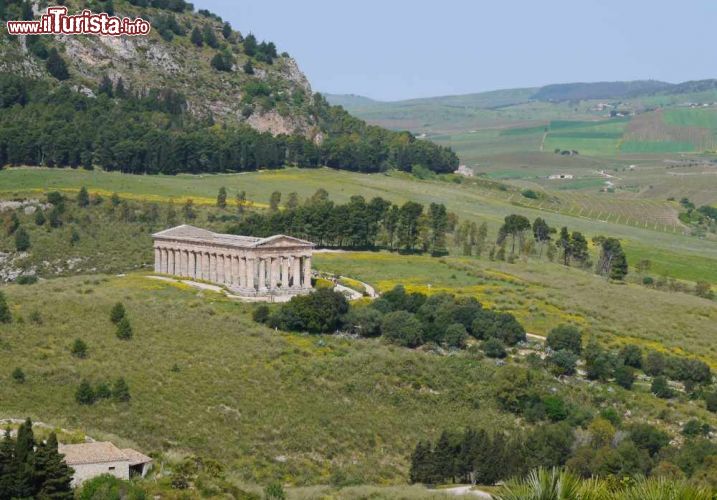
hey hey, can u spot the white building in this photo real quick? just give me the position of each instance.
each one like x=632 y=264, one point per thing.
x=560 y=177
x=94 y=459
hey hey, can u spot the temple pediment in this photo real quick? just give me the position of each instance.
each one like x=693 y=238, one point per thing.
x=282 y=241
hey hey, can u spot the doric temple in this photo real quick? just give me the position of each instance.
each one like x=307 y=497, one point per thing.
x=278 y=265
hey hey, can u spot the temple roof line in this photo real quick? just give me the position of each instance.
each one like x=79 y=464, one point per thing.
x=194 y=234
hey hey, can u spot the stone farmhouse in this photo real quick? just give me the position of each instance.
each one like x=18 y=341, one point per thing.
x=246 y=265
x=90 y=460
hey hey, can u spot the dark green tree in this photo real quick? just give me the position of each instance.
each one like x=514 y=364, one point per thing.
x=83 y=197
x=196 y=37
x=40 y=217
x=494 y=348
x=209 y=37
x=84 y=394
x=563 y=362
x=402 y=328
x=227 y=30
x=274 y=201
x=625 y=376
x=56 y=65
x=438 y=220
x=124 y=329
x=248 y=67
x=53 y=477
x=514 y=226
x=22 y=240
x=565 y=337
x=565 y=245
x=117 y=313
x=18 y=375
x=631 y=355
x=79 y=349
x=421 y=470
x=407 y=228
x=661 y=388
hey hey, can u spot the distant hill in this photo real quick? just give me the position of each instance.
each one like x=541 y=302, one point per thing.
x=599 y=90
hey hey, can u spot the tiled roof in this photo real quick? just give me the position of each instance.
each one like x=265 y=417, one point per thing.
x=196 y=234
x=100 y=452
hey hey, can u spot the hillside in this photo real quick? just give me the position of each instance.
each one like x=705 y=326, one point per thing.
x=195 y=95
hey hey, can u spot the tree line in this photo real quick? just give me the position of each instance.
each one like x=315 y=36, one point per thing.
x=152 y=132
x=33 y=469
x=357 y=224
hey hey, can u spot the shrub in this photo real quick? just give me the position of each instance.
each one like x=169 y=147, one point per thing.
x=648 y=281
x=84 y=394
x=660 y=388
x=117 y=313
x=107 y=486
x=402 y=328
x=18 y=375
x=318 y=312
x=494 y=348
x=79 y=349
x=274 y=491
x=124 y=329
x=631 y=355
x=694 y=427
x=26 y=279
x=363 y=321
x=654 y=363
x=40 y=217
x=711 y=401
x=261 y=313
x=5 y=316
x=649 y=438
x=120 y=390
x=625 y=376
x=455 y=335
x=103 y=391
x=565 y=337
x=555 y=408
x=83 y=197
x=563 y=362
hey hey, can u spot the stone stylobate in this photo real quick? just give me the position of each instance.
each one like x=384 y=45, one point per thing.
x=254 y=267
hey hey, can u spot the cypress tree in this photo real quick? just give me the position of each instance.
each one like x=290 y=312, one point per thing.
x=8 y=466
x=83 y=197
x=222 y=197
x=421 y=463
x=124 y=329
x=443 y=460
x=5 y=316
x=53 y=475
x=227 y=30
x=22 y=240
x=117 y=313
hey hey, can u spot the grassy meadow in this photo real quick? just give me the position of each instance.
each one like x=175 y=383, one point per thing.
x=632 y=221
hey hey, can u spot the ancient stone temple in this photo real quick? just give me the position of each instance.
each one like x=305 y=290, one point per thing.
x=278 y=265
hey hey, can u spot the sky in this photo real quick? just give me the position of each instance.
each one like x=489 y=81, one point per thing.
x=401 y=49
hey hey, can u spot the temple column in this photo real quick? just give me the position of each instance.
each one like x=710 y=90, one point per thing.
x=241 y=275
x=296 y=271
x=284 y=272
x=205 y=265
x=170 y=261
x=193 y=264
x=235 y=271
x=212 y=267
x=273 y=273
x=250 y=273
x=228 y=269
x=157 y=260
x=163 y=256
x=183 y=261
x=307 y=272
x=262 y=274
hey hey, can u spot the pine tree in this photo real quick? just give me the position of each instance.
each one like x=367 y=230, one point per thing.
x=443 y=460
x=22 y=240
x=83 y=197
x=56 y=65
x=420 y=463
x=40 y=217
x=222 y=197
x=5 y=316
x=25 y=442
x=248 y=67
x=8 y=467
x=105 y=86
x=85 y=395
x=120 y=390
x=124 y=329
x=196 y=37
x=227 y=30
x=209 y=37
x=18 y=375
x=120 y=91
x=53 y=477
x=117 y=313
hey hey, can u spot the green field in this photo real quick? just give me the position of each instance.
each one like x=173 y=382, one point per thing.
x=642 y=222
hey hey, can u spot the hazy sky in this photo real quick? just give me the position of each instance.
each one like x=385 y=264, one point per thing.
x=399 y=49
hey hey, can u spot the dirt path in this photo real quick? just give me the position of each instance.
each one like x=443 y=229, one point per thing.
x=467 y=491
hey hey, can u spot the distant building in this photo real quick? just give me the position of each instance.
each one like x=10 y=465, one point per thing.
x=465 y=171
x=555 y=177
x=94 y=459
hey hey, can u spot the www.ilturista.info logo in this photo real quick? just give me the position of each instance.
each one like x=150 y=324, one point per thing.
x=57 y=22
